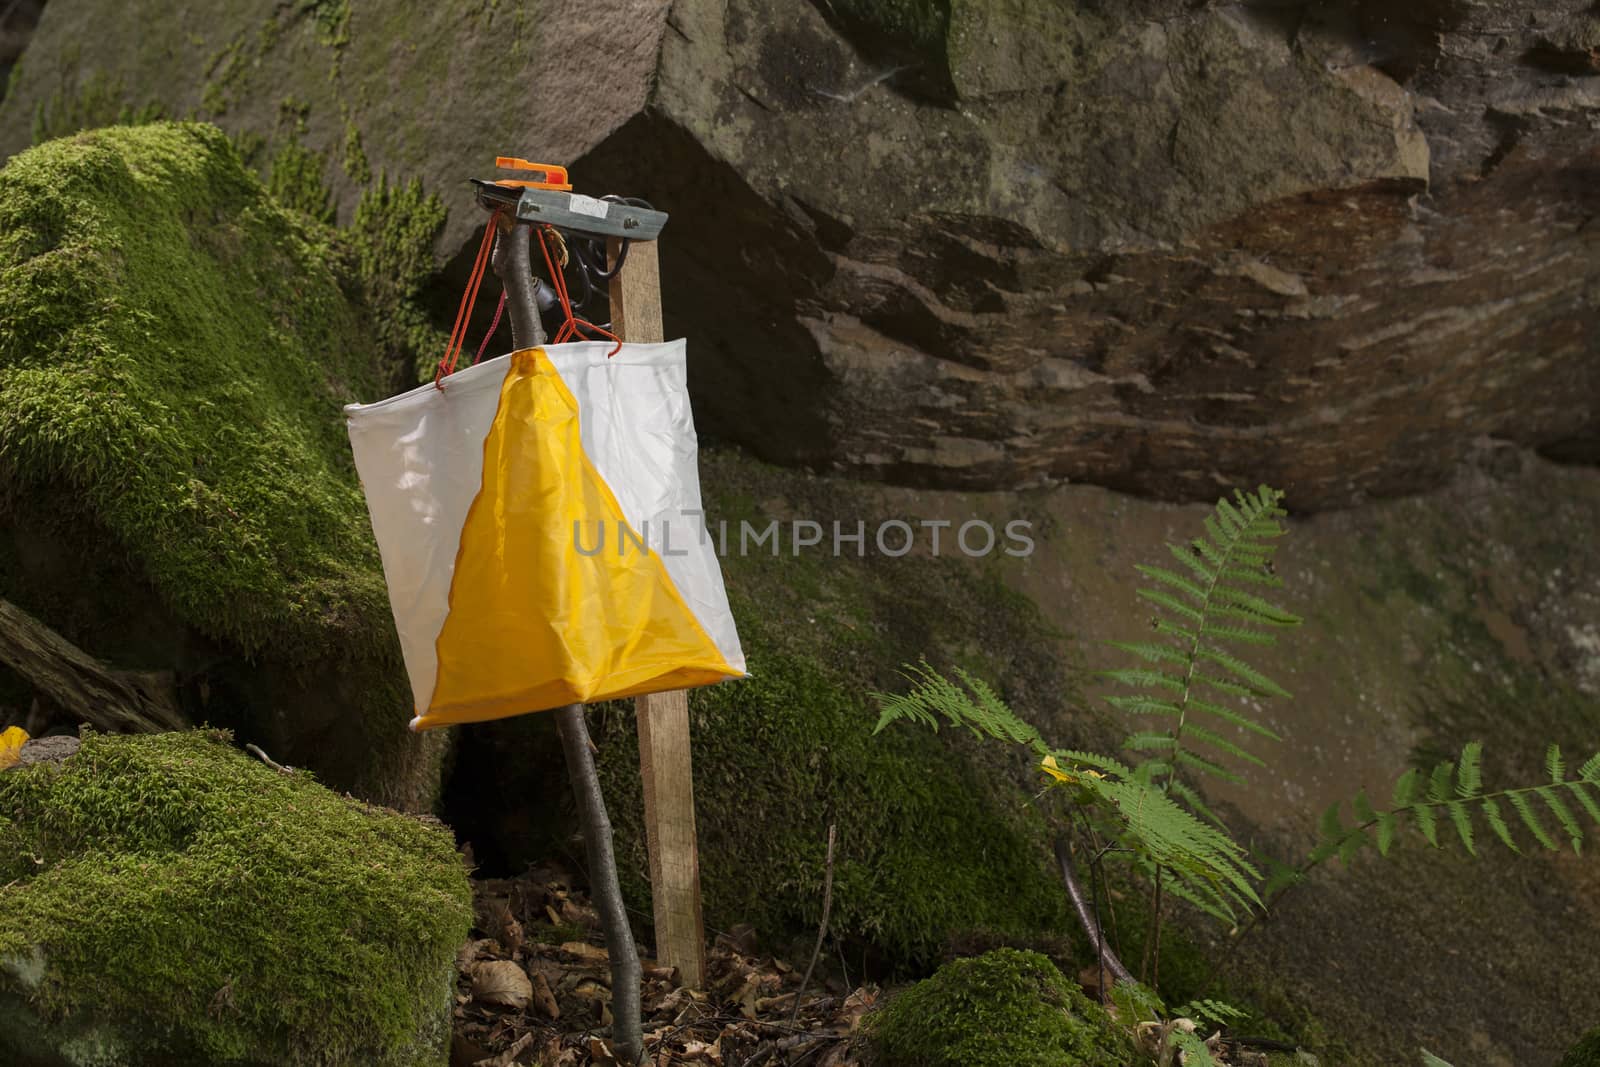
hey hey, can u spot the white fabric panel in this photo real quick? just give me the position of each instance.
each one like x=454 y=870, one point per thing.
x=638 y=431
x=423 y=452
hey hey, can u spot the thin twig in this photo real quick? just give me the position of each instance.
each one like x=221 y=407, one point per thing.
x=1097 y=937
x=1155 y=970
x=255 y=750
x=822 y=928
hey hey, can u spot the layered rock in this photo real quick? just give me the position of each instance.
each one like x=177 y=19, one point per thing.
x=1158 y=246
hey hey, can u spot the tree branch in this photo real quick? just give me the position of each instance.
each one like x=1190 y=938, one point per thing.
x=113 y=701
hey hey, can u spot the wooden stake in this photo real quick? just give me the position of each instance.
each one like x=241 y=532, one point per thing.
x=665 y=765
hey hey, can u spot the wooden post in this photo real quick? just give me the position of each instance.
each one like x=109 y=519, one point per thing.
x=665 y=765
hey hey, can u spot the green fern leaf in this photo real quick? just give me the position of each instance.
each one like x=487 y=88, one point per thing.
x=1405 y=789
x=1330 y=827
x=1208 y=552
x=1251 y=576
x=1201 y=734
x=1469 y=778
x=1194 y=561
x=1386 y=830
x=1171 y=603
x=1224 y=685
x=1228 y=715
x=1144 y=678
x=1463 y=823
x=1197 y=804
x=1184 y=758
x=1145 y=740
x=1554 y=764
x=1162 y=626
x=1173 y=580
x=1563 y=815
x=1353 y=842
x=1253 y=678
x=1268 y=612
x=1239 y=634
x=1427 y=822
x=1430 y=1060
x=1497 y=823
x=1151 y=652
x=1362 y=807
x=1590 y=771
x=1439 y=784
x=1519 y=801
x=1234 y=522
x=1140 y=704
x=1581 y=791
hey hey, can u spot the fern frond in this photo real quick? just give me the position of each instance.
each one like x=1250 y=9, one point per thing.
x=1228 y=715
x=1469 y=778
x=1174 y=581
x=1581 y=791
x=1553 y=764
x=1145 y=740
x=1171 y=603
x=1519 y=801
x=1143 y=678
x=1141 y=704
x=1196 y=563
x=1258 y=682
x=1463 y=824
x=977 y=707
x=1562 y=813
x=1151 y=652
x=1185 y=758
x=1497 y=823
x=1439 y=782
x=1206 y=737
x=1237 y=633
x=1590 y=771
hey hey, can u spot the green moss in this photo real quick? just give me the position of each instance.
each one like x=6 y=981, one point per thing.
x=1586 y=1053
x=156 y=303
x=356 y=167
x=389 y=248
x=1002 y=1009
x=295 y=181
x=188 y=904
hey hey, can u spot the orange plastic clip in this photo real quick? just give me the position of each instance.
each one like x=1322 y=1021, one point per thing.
x=552 y=177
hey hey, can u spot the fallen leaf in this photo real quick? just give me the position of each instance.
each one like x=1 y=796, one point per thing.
x=509 y=1056
x=11 y=742
x=501 y=983
x=585 y=951
x=543 y=998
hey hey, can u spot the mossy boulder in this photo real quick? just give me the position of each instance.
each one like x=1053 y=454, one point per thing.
x=1003 y=1009
x=175 y=347
x=169 y=901
x=1586 y=1053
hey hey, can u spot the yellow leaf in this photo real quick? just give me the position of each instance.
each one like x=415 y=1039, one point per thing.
x=1049 y=766
x=11 y=741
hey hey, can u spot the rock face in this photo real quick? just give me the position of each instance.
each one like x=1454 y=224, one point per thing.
x=1159 y=246
x=169 y=901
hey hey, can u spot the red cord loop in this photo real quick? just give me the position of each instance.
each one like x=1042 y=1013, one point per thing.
x=574 y=326
x=458 y=334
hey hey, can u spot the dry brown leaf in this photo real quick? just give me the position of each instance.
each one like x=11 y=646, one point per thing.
x=509 y=1056
x=501 y=983
x=543 y=998
x=585 y=951
x=701 y=1052
x=600 y=1053
x=471 y=953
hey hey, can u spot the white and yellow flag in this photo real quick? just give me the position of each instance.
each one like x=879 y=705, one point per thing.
x=539 y=521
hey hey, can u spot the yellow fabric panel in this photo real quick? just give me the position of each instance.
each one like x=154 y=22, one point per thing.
x=533 y=623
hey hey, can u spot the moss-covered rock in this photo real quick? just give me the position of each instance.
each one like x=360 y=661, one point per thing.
x=170 y=901
x=1586 y=1053
x=1003 y=1009
x=175 y=347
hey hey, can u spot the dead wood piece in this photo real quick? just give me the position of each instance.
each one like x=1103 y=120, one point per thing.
x=82 y=686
